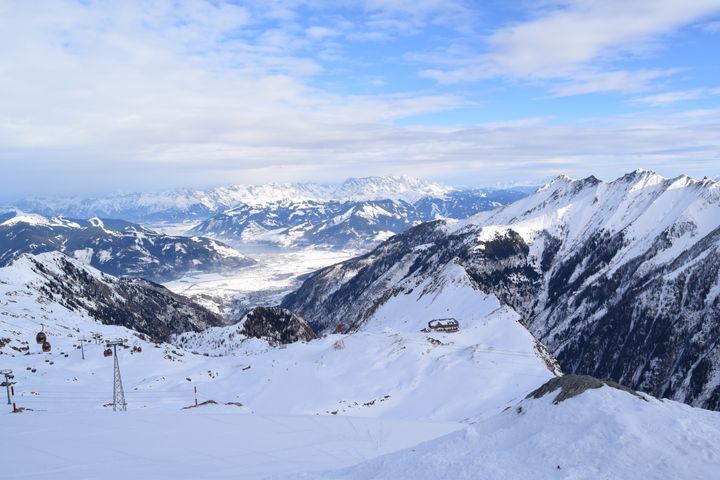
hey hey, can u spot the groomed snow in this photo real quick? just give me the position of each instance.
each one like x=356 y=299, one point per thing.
x=329 y=403
x=601 y=434
x=210 y=443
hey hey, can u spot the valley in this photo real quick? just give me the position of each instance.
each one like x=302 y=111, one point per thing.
x=276 y=273
x=320 y=362
x=371 y=240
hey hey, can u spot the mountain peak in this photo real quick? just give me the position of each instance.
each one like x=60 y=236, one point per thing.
x=559 y=180
x=641 y=173
x=409 y=189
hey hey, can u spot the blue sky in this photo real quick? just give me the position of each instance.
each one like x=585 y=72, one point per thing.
x=99 y=96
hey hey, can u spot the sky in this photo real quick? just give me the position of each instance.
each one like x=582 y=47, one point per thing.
x=105 y=96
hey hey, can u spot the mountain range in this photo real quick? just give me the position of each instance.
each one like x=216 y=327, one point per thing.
x=357 y=213
x=618 y=279
x=191 y=205
x=115 y=247
x=344 y=224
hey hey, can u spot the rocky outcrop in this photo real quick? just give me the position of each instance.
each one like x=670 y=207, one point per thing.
x=573 y=385
x=276 y=325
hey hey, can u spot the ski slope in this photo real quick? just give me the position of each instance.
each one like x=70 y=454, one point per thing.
x=215 y=443
x=329 y=403
x=603 y=433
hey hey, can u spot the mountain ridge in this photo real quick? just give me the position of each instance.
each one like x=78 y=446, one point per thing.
x=52 y=284
x=619 y=279
x=188 y=204
x=116 y=247
x=343 y=224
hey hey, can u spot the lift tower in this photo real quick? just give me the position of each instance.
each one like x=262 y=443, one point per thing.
x=118 y=393
x=7 y=383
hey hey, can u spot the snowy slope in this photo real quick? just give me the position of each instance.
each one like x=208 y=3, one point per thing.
x=601 y=433
x=115 y=246
x=68 y=420
x=328 y=403
x=391 y=368
x=493 y=356
x=619 y=279
x=211 y=443
x=52 y=288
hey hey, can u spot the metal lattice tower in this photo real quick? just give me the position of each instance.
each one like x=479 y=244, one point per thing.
x=118 y=393
x=7 y=383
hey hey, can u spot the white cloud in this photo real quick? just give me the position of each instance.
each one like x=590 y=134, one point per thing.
x=712 y=27
x=584 y=31
x=158 y=95
x=577 y=41
x=614 y=81
x=321 y=32
x=146 y=96
x=411 y=16
x=668 y=98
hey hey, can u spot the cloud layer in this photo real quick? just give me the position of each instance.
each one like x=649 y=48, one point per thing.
x=142 y=95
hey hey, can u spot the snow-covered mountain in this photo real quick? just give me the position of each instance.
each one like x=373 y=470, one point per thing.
x=51 y=288
x=596 y=430
x=390 y=368
x=618 y=279
x=187 y=205
x=382 y=386
x=404 y=188
x=347 y=224
x=115 y=246
x=371 y=392
x=311 y=223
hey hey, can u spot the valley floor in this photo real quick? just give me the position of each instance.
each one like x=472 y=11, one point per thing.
x=276 y=273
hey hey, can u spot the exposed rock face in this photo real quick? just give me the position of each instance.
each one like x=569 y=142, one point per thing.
x=573 y=385
x=620 y=280
x=138 y=304
x=277 y=325
x=115 y=246
x=349 y=292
